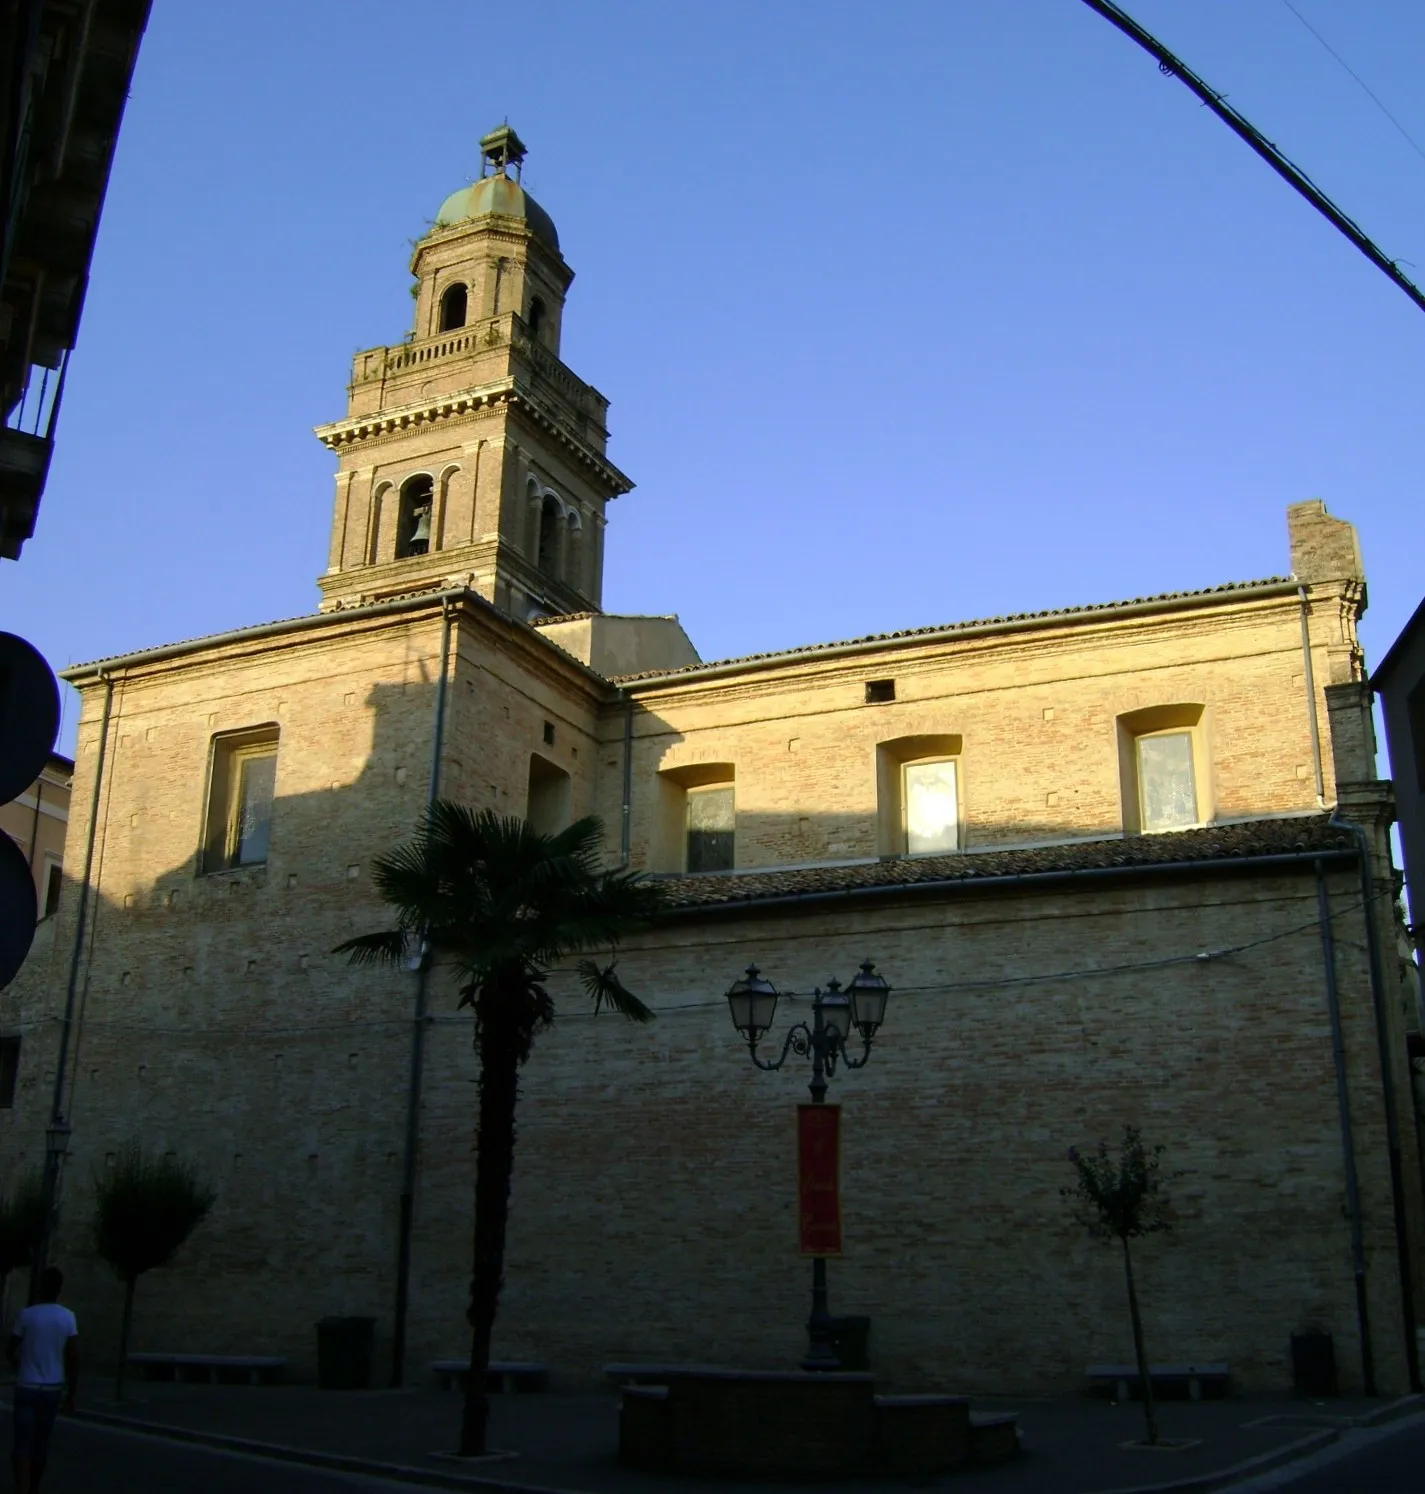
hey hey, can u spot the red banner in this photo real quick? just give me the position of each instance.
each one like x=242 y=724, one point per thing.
x=819 y=1179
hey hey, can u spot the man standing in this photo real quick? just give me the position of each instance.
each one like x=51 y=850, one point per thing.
x=44 y=1348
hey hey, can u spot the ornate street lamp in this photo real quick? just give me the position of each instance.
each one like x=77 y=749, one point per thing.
x=834 y=1014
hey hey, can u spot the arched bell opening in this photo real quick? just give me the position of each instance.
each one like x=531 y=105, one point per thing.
x=413 y=531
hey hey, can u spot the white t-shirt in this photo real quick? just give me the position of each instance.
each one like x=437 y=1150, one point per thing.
x=43 y=1331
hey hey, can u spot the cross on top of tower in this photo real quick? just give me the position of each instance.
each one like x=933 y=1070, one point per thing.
x=501 y=149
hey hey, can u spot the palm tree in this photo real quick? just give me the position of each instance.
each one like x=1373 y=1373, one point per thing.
x=145 y=1210
x=502 y=905
x=21 y=1216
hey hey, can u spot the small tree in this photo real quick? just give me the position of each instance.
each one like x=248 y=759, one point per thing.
x=21 y=1217
x=1122 y=1199
x=146 y=1209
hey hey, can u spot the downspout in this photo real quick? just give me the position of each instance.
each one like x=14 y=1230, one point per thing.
x=57 y=1120
x=35 y=826
x=1309 y=678
x=626 y=817
x=1348 y=1148
x=420 y=1021
x=1392 y=1119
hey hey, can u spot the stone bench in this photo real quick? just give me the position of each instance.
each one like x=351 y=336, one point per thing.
x=749 y=1423
x=504 y=1374
x=755 y=1424
x=994 y=1436
x=1124 y=1377
x=211 y=1369
x=919 y=1435
x=643 y=1428
x=642 y=1374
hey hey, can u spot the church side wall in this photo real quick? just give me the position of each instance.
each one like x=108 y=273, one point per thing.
x=654 y=1199
x=216 y=1022
x=1037 y=714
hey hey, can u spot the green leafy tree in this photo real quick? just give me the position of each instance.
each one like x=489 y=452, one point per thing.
x=22 y=1213
x=1122 y=1198
x=501 y=906
x=145 y=1209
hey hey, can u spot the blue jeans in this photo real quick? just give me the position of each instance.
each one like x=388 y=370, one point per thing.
x=35 y=1412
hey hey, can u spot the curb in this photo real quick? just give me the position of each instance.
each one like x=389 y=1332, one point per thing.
x=1223 y=1478
x=335 y=1462
x=1396 y=1410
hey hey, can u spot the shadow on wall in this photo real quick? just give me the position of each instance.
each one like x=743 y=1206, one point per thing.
x=216 y=1023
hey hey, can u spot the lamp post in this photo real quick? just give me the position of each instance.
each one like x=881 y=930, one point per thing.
x=834 y=1014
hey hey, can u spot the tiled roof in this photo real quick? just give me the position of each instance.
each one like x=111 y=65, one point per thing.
x=871 y=639
x=1296 y=836
x=563 y=617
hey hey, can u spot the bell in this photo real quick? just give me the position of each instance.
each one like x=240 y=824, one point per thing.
x=420 y=535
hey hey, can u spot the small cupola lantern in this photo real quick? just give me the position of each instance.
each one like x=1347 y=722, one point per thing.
x=753 y=1002
x=869 y=993
x=502 y=151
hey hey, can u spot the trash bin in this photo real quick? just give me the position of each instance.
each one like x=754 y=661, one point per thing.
x=344 y=1348
x=850 y=1342
x=1313 y=1364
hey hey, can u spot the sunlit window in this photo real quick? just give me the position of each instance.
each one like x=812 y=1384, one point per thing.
x=712 y=818
x=932 y=807
x=1167 y=788
x=241 y=790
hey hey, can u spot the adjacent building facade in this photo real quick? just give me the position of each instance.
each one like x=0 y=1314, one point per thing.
x=1122 y=864
x=1399 y=680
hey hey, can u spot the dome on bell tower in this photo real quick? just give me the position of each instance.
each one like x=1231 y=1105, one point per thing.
x=497 y=192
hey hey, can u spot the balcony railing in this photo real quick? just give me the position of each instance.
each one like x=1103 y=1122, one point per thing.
x=26 y=444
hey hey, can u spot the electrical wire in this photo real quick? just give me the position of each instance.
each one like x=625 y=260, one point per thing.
x=1007 y=982
x=1414 y=145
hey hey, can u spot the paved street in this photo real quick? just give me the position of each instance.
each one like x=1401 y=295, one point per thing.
x=96 y=1460
x=93 y=1459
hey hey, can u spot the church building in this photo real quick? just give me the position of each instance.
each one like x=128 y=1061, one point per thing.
x=1121 y=864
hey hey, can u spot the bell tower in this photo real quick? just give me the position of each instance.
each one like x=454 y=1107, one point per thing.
x=470 y=455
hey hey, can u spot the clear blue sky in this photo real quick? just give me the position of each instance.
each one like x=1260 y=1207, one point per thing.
x=909 y=313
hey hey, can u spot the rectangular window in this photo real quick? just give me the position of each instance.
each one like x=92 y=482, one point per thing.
x=932 y=808
x=241 y=789
x=9 y=1070
x=54 y=881
x=1167 y=788
x=712 y=818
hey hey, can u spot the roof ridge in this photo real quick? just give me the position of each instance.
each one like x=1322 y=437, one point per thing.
x=978 y=622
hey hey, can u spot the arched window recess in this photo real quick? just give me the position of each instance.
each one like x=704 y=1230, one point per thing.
x=454 y=301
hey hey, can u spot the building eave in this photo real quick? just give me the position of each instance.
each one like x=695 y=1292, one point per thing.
x=1283 y=842
x=345 y=433
x=1229 y=594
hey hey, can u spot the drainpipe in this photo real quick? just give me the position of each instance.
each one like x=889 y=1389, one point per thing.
x=1309 y=679
x=35 y=827
x=626 y=824
x=419 y=1023
x=54 y=1155
x=1348 y=1148
x=1392 y=1119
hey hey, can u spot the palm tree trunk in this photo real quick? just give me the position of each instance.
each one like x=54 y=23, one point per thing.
x=500 y=1052
x=129 y=1285
x=1145 y=1380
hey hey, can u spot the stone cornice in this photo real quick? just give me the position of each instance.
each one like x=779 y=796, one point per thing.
x=512 y=392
